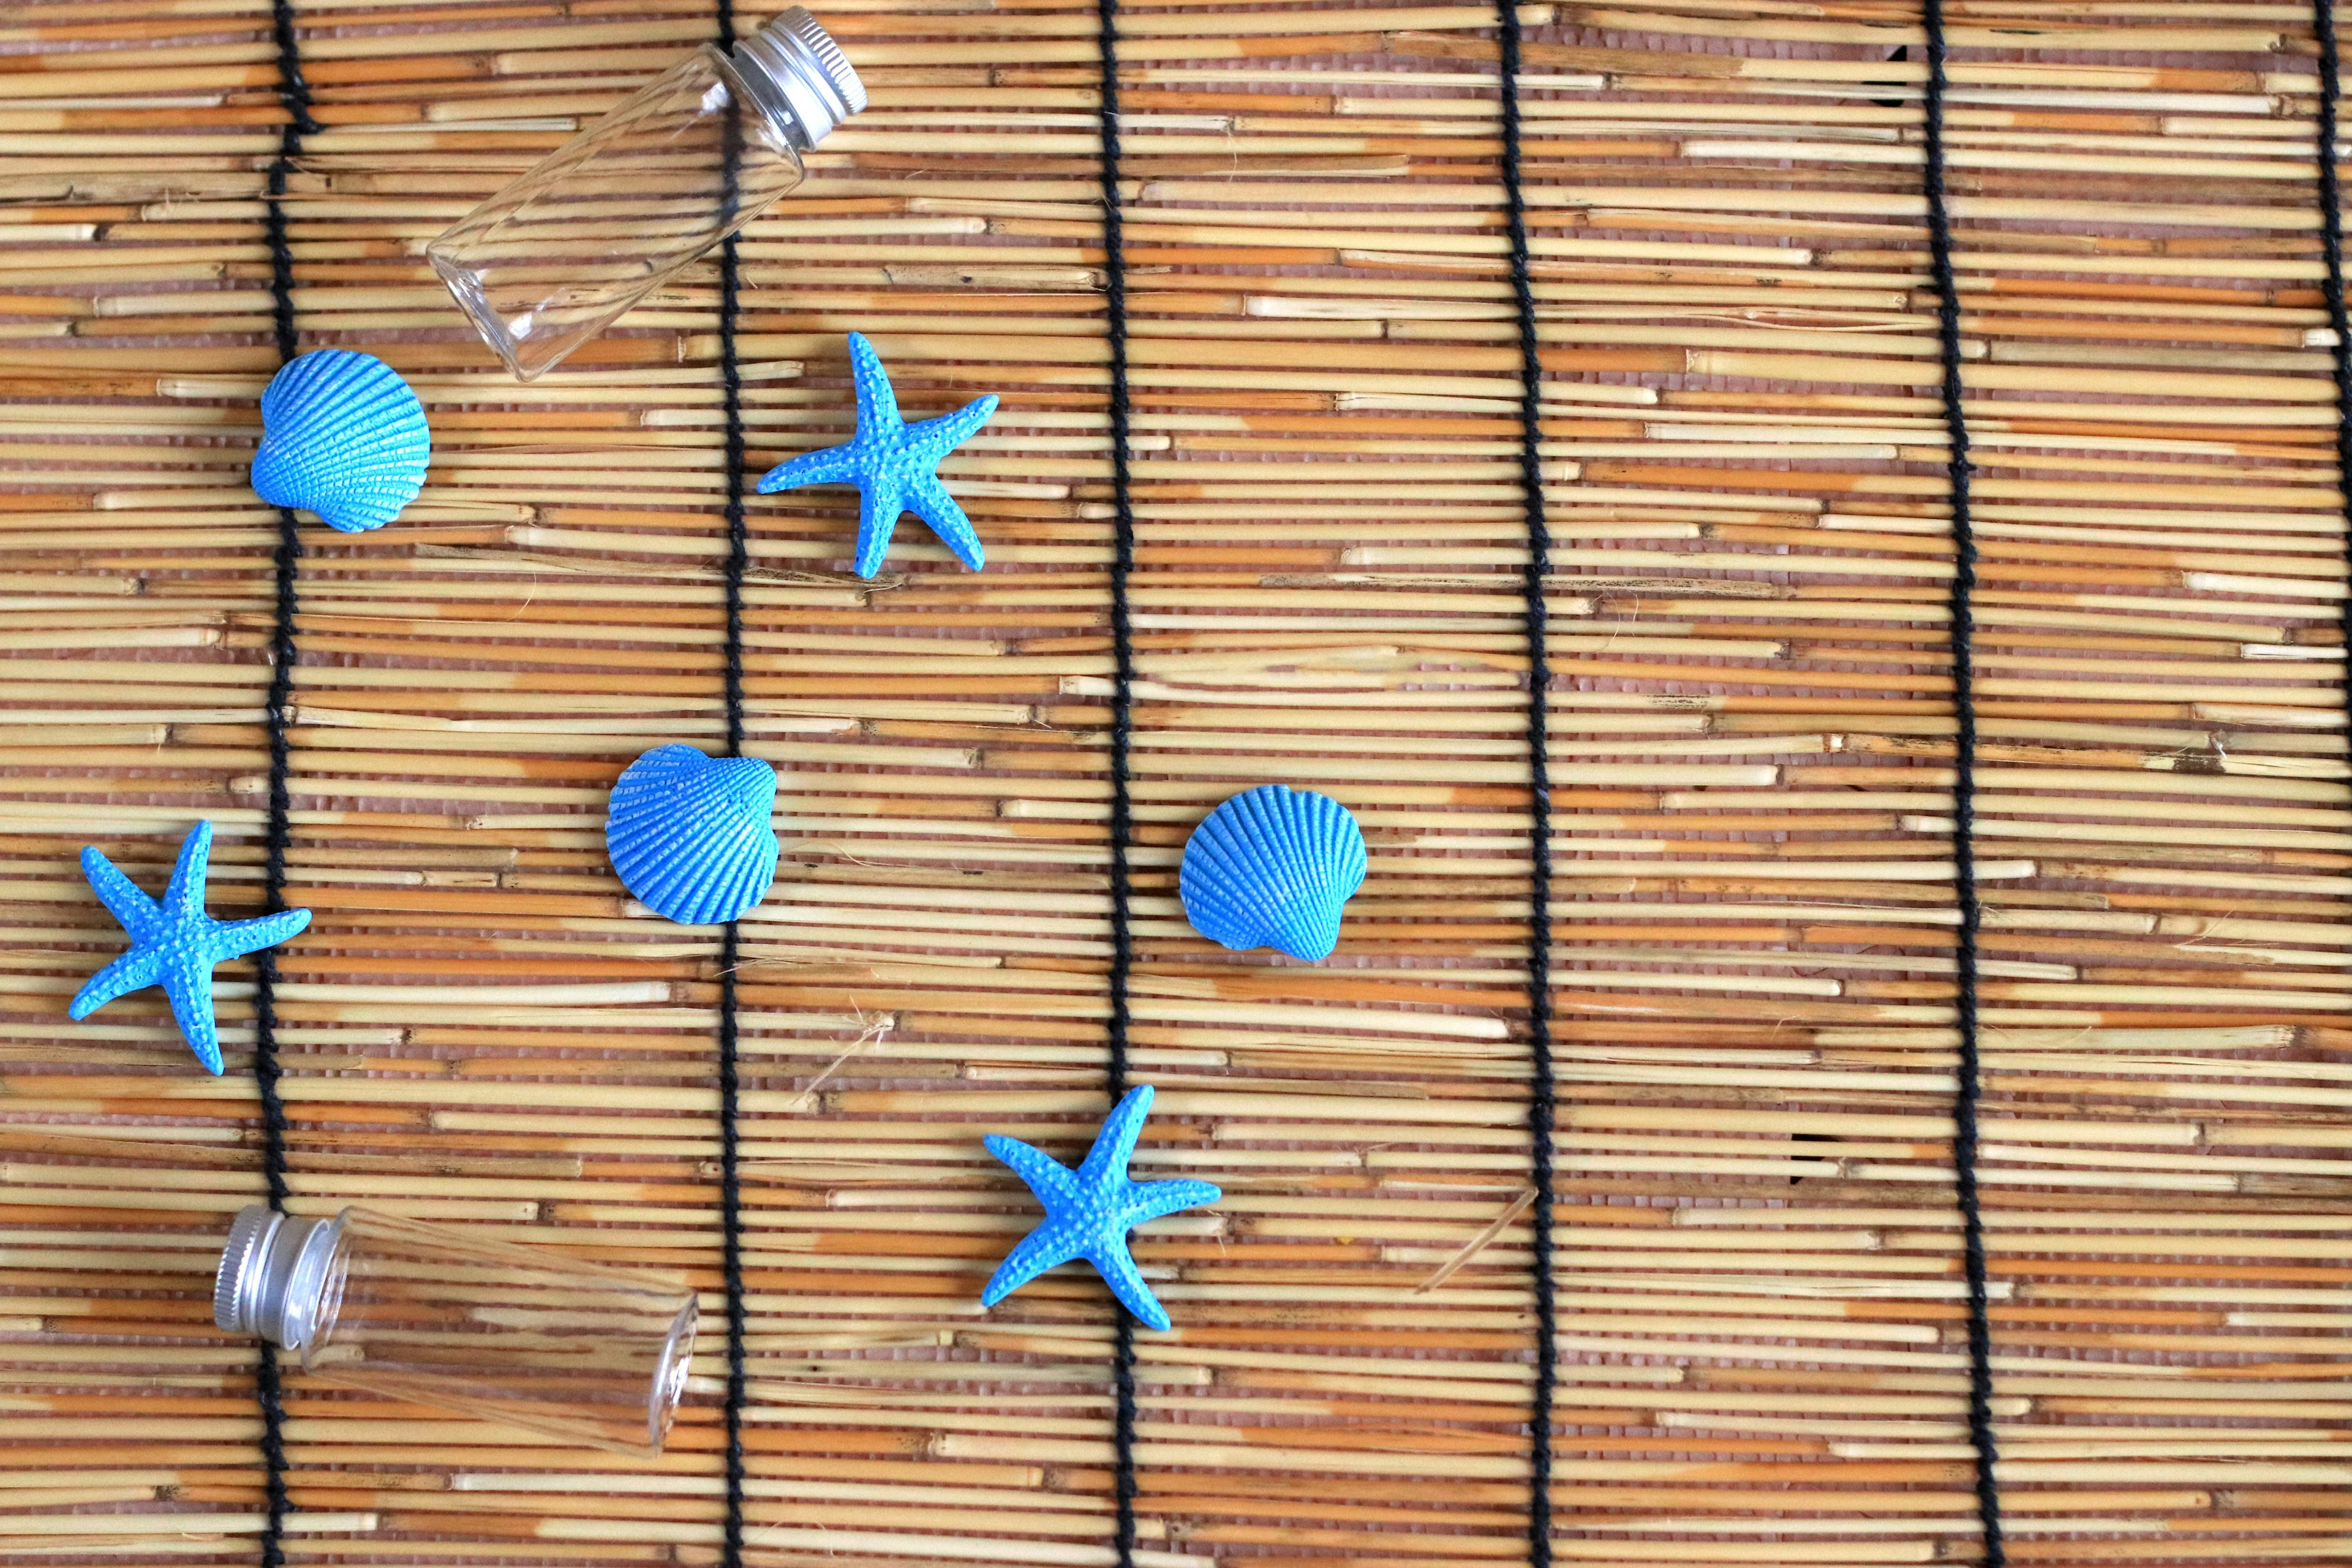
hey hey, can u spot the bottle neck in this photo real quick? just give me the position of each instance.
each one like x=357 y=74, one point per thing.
x=798 y=79
x=273 y=1275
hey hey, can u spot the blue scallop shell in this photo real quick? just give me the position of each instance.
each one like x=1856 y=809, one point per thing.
x=342 y=436
x=1271 y=867
x=689 y=834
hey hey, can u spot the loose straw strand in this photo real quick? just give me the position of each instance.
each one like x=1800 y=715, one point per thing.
x=1962 y=636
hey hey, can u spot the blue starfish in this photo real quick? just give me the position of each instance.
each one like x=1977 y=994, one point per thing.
x=1089 y=1211
x=891 y=463
x=174 y=943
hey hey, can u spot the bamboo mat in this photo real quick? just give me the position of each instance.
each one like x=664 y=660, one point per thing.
x=1757 y=1261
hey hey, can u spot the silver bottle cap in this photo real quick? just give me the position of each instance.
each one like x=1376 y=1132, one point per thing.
x=798 y=63
x=273 y=1274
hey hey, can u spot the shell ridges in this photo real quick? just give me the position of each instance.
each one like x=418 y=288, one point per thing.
x=343 y=437
x=691 y=836
x=1273 y=866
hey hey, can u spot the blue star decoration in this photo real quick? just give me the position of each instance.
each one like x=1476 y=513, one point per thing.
x=892 y=464
x=174 y=943
x=1089 y=1211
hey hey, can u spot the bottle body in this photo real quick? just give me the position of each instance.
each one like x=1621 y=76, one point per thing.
x=430 y=1314
x=569 y=247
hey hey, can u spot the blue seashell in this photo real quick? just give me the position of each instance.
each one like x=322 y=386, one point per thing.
x=1271 y=867
x=342 y=436
x=689 y=834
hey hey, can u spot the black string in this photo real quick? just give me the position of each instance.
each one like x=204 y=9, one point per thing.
x=1964 y=787
x=2331 y=243
x=739 y=555
x=294 y=96
x=1542 y=1094
x=1122 y=726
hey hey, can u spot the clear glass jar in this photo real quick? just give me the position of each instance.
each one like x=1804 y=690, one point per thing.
x=429 y=1313
x=609 y=217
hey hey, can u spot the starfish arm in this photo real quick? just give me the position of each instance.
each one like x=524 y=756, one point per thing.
x=1117 y=1267
x=930 y=501
x=935 y=438
x=1115 y=1144
x=825 y=466
x=191 y=990
x=1150 y=1200
x=185 y=896
x=235 y=939
x=118 y=892
x=1041 y=1250
x=132 y=971
x=1048 y=1177
x=879 y=508
x=877 y=406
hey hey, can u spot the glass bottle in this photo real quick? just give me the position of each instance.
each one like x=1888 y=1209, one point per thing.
x=427 y=1313
x=609 y=217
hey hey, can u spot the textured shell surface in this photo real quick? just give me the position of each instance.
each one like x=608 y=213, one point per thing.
x=1273 y=867
x=691 y=836
x=343 y=437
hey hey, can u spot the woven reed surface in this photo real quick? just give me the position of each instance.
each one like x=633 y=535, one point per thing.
x=1758 y=1261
